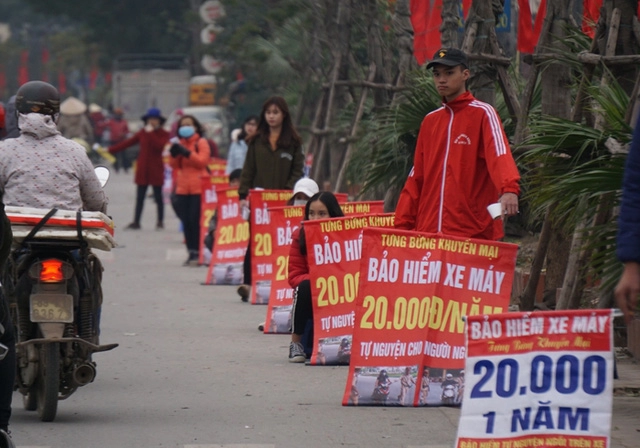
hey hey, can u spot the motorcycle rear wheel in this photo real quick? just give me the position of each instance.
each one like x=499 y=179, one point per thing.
x=48 y=382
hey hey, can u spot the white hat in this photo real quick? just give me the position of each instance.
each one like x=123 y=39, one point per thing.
x=306 y=186
x=93 y=108
x=72 y=106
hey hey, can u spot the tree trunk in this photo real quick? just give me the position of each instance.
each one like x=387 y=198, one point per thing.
x=483 y=76
x=450 y=23
x=556 y=101
x=404 y=43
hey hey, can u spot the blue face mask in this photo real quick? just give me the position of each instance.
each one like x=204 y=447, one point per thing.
x=186 y=131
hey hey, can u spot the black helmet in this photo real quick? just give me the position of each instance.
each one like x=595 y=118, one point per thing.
x=38 y=97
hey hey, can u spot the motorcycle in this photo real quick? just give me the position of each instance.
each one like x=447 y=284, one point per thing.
x=52 y=282
x=344 y=354
x=448 y=394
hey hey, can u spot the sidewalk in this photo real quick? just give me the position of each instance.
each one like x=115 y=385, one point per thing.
x=625 y=424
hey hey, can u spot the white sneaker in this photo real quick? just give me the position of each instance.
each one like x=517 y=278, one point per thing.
x=296 y=352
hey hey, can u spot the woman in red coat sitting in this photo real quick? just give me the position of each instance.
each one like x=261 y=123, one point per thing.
x=149 y=167
x=321 y=205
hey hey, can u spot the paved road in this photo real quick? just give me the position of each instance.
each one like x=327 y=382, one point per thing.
x=193 y=371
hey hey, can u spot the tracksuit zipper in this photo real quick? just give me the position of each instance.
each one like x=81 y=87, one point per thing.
x=444 y=170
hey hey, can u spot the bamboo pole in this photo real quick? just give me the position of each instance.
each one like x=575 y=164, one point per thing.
x=354 y=128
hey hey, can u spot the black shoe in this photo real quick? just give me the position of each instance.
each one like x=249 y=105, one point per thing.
x=133 y=226
x=159 y=225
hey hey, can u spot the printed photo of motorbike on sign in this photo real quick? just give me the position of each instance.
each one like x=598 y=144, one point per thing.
x=263 y=290
x=383 y=386
x=335 y=350
x=446 y=387
x=228 y=274
x=280 y=320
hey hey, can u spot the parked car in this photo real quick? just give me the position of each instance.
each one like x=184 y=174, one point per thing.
x=212 y=118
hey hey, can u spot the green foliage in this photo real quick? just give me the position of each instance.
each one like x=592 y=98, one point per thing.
x=384 y=151
x=126 y=26
x=571 y=168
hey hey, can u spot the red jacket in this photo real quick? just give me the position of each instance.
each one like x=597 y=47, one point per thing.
x=462 y=164
x=149 y=166
x=298 y=265
x=189 y=170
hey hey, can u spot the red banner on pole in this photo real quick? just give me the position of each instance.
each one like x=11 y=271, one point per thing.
x=414 y=290
x=284 y=222
x=426 y=19
x=231 y=238
x=529 y=31
x=23 y=69
x=262 y=262
x=334 y=249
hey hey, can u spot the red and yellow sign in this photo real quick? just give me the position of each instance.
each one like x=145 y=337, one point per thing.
x=231 y=239
x=262 y=244
x=414 y=290
x=284 y=222
x=363 y=207
x=334 y=248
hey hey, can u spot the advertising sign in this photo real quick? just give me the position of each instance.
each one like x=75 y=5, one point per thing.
x=415 y=288
x=262 y=244
x=231 y=239
x=284 y=222
x=538 y=379
x=334 y=247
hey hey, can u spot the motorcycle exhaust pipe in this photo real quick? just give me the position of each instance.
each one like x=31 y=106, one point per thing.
x=84 y=374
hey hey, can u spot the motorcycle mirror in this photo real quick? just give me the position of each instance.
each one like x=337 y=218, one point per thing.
x=103 y=173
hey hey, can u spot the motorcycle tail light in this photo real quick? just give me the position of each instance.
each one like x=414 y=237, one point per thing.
x=51 y=271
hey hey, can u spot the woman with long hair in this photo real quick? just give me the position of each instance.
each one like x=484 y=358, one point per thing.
x=190 y=156
x=274 y=161
x=321 y=205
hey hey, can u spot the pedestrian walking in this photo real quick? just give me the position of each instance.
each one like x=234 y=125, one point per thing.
x=149 y=168
x=117 y=130
x=628 y=239
x=238 y=147
x=321 y=206
x=274 y=161
x=190 y=155
x=462 y=162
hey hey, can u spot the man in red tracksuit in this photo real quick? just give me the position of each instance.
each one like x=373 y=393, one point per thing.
x=462 y=162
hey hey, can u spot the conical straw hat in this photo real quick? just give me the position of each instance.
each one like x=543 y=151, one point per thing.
x=72 y=106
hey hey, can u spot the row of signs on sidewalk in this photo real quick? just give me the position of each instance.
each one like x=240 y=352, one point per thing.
x=392 y=305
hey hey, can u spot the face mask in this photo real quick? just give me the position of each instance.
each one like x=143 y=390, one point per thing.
x=299 y=202
x=186 y=131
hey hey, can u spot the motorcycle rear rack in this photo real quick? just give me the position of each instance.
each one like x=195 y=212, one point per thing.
x=94 y=348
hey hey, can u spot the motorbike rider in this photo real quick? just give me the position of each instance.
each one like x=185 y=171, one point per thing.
x=449 y=381
x=41 y=168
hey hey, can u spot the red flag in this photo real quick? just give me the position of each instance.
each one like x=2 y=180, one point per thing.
x=93 y=77
x=23 y=70
x=528 y=33
x=426 y=20
x=466 y=7
x=45 y=63
x=3 y=80
x=62 y=83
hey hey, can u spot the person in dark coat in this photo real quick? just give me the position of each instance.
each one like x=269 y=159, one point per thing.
x=11 y=121
x=628 y=242
x=150 y=168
